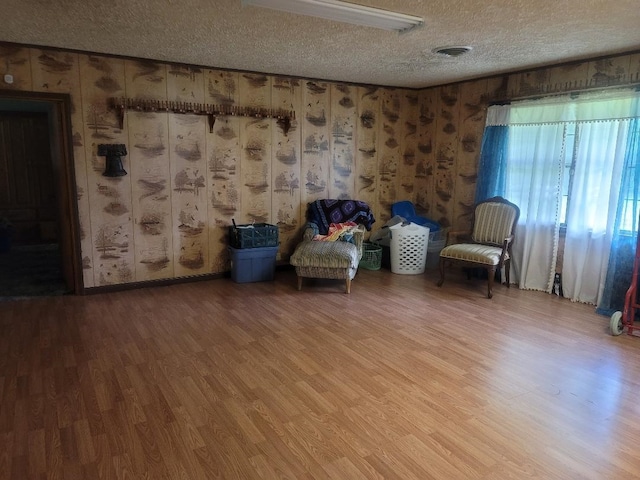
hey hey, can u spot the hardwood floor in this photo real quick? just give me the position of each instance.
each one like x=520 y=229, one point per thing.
x=398 y=380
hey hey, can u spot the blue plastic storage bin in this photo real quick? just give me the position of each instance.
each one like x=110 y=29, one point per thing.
x=406 y=210
x=253 y=264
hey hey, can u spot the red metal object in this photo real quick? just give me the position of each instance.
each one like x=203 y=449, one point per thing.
x=630 y=299
x=620 y=322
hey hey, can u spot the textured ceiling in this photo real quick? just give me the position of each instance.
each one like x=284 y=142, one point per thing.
x=506 y=35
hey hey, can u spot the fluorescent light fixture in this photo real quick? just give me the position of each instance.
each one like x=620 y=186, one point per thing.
x=343 y=12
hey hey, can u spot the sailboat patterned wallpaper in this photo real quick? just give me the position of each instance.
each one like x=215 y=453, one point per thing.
x=168 y=217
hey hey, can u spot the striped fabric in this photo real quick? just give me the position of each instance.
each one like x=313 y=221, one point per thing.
x=468 y=252
x=493 y=223
x=325 y=255
x=337 y=260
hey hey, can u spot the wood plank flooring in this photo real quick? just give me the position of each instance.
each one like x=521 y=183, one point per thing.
x=398 y=380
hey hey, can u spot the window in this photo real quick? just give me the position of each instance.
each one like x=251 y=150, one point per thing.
x=566 y=161
x=569 y=167
x=630 y=207
x=630 y=203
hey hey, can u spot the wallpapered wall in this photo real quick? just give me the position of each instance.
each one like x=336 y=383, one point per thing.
x=168 y=217
x=451 y=122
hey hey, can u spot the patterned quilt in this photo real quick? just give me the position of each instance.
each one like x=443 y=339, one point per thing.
x=327 y=211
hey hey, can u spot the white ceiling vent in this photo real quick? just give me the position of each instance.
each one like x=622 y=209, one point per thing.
x=451 y=51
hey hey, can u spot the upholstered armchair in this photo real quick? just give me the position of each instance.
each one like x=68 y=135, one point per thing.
x=489 y=245
x=339 y=259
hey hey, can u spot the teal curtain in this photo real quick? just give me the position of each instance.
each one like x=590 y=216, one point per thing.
x=625 y=232
x=492 y=170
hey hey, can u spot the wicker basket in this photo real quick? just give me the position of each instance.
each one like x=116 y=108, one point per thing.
x=371 y=256
x=253 y=235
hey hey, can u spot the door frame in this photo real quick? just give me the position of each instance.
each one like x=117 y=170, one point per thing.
x=58 y=109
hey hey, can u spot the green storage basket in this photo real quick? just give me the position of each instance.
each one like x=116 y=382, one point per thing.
x=253 y=235
x=371 y=256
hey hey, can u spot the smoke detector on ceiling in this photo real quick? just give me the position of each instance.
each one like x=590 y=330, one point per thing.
x=453 y=51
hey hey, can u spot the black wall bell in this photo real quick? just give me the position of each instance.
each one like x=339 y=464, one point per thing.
x=114 y=153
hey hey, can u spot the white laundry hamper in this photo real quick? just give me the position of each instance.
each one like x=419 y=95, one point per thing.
x=408 y=248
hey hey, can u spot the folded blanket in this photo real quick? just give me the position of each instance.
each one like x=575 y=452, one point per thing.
x=327 y=211
x=338 y=231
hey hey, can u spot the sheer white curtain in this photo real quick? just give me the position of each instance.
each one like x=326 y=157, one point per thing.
x=534 y=173
x=535 y=164
x=599 y=157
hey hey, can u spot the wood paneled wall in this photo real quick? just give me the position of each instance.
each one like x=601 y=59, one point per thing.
x=451 y=121
x=168 y=217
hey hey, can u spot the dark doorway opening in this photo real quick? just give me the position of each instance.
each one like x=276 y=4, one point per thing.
x=40 y=255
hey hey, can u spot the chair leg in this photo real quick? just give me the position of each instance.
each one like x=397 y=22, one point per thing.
x=507 y=267
x=299 y=282
x=441 y=266
x=491 y=273
x=348 y=282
